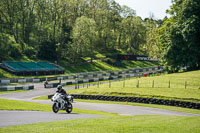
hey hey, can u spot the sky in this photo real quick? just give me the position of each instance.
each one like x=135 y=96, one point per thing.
x=145 y=7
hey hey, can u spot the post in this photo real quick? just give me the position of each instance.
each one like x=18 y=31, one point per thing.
x=87 y=85
x=185 y=84
x=98 y=84
x=109 y=84
x=153 y=84
x=124 y=83
x=169 y=84
x=138 y=84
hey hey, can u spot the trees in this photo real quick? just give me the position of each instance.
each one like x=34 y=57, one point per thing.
x=84 y=37
x=184 y=45
x=71 y=29
x=9 y=49
x=133 y=34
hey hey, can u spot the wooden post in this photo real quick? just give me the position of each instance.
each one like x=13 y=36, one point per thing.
x=109 y=84
x=153 y=84
x=76 y=86
x=169 y=84
x=124 y=83
x=138 y=84
x=185 y=84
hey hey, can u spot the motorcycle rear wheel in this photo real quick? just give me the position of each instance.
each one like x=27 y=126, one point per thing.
x=55 y=108
x=69 y=108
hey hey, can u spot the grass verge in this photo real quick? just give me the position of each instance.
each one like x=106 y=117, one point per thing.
x=21 y=105
x=119 y=124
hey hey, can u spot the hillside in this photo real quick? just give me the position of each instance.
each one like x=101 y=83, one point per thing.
x=93 y=66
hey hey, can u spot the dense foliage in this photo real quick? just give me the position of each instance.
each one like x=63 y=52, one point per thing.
x=68 y=30
x=177 y=42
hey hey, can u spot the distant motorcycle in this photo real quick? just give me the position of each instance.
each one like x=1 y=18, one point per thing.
x=59 y=103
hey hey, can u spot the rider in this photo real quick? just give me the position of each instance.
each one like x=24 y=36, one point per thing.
x=62 y=91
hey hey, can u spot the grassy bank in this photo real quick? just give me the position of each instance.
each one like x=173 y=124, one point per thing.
x=89 y=67
x=21 y=105
x=178 y=86
x=103 y=66
x=119 y=124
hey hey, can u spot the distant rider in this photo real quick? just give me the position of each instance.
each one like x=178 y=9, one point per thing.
x=45 y=84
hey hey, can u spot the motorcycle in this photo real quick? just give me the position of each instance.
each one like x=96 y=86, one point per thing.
x=60 y=103
x=70 y=98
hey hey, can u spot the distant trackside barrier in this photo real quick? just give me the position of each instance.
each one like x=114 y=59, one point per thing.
x=14 y=88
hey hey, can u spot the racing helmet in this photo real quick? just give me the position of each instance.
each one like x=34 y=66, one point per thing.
x=59 y=87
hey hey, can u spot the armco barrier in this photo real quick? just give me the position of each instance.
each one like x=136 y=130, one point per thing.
x=52 y=85
x=13 y=88
x=138 y=100
x=87 y=75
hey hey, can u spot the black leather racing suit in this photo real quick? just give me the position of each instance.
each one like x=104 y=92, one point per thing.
x=63 y=92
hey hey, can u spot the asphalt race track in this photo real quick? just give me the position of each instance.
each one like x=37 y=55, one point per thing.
x=10 y=118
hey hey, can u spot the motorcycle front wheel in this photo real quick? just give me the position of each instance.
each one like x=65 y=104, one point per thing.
x=69 y=108
x=55 y=108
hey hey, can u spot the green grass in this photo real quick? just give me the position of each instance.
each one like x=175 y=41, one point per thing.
x=120 y=124
x=21 y=105
x=103 y=66
x=88 y=67
x=4 y=74
x=161 y=90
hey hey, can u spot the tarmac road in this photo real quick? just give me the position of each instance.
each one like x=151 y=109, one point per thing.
x=9 y=118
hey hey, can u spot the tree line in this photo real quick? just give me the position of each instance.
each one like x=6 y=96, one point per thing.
x=71 y=29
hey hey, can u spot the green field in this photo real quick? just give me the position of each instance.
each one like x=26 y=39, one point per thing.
x=118 y=124
x=177 y=86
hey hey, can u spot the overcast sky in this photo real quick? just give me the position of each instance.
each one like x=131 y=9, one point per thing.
x=145 y=7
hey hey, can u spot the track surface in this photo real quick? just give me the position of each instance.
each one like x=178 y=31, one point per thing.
x=9 y=118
